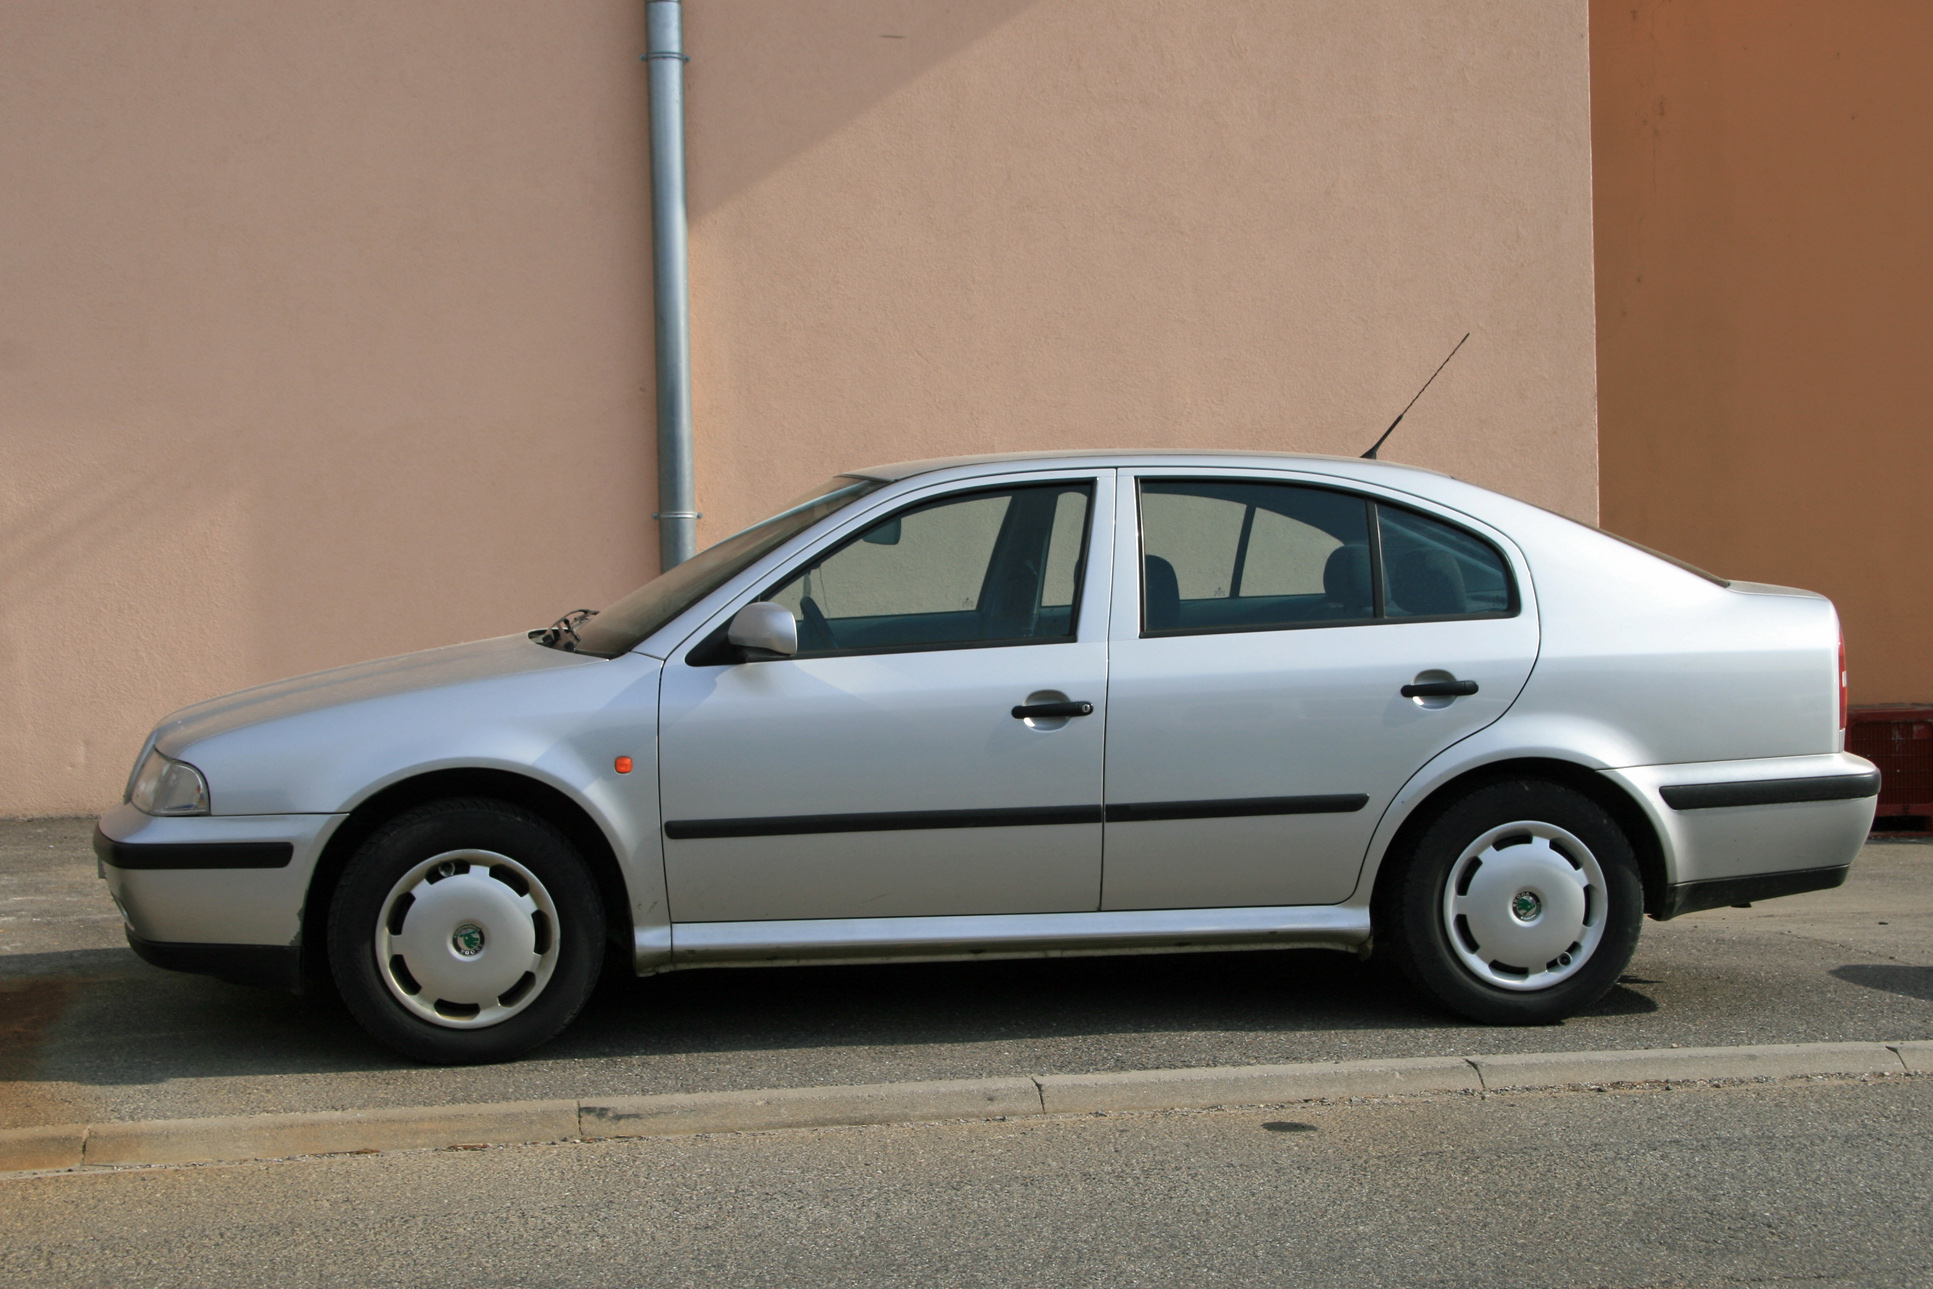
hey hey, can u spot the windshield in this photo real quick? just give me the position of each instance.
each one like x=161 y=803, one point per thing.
x=624 y=625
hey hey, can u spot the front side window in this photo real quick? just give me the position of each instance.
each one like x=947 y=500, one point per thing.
x=989 y=567
x=625 y=625
x=1232 y=555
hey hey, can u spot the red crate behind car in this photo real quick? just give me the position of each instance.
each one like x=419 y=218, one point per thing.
x=1899 y=740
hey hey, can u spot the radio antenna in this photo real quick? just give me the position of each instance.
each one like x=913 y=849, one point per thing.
x=1371 y=454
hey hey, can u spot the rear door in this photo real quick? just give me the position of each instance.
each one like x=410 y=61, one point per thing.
x=1262 y=634
x=882 y=772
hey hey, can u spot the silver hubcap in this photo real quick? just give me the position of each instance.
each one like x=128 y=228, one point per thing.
x=1524 y=906
x=467 y=939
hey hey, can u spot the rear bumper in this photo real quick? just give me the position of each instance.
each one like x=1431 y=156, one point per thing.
x=1736 y=831
x=1722 y=892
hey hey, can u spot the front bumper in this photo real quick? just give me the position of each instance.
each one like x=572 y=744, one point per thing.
x=266 y=966
x=1737 y=831
x=187 y=887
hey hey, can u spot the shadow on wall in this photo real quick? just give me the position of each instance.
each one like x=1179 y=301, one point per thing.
x=123 y=593
x=816 y=64
x=75 y=510
x=1763 y=173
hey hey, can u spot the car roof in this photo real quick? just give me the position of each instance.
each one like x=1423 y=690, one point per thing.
x=1357 y=466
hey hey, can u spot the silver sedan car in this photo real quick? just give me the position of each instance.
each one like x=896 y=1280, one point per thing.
x=1023 y=705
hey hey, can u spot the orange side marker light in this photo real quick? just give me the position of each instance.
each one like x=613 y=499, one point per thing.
x=622 y=765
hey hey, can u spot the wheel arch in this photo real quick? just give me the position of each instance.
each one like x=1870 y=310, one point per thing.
x=1607 y=793
x=540 y=798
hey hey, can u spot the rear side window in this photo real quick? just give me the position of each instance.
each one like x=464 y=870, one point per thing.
x=1230 y=555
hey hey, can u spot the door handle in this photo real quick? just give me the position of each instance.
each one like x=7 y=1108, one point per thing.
x=1027 y=711
x=1440 y=689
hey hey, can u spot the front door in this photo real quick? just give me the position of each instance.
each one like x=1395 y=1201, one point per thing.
x=883 y=772
x=1263 y=633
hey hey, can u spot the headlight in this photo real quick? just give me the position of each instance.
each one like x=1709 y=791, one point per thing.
x=165 y=786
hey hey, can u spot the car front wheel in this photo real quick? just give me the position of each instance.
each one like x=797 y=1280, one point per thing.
x=465 y=931
x=1519 y=905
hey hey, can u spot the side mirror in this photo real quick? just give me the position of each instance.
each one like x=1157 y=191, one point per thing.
x=764 y=630
x=886 y=534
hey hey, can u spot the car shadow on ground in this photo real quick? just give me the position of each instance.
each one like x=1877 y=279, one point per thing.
x=1282 y=991
x=974 y=1002
x=1893 y=977
x=103 y=1017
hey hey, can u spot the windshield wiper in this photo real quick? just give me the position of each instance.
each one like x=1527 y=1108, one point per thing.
x=554 y=635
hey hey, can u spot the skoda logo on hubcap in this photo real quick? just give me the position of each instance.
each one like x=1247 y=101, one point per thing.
x=1525 y=906
x=467 y=939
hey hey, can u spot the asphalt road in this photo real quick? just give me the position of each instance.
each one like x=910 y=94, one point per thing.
x=88 y=1032
x=1818 y=1184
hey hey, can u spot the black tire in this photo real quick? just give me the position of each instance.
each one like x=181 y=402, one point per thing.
x=1480 y=950
x=561 y=941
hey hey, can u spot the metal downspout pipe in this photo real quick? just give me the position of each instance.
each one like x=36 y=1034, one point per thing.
x=664 y=61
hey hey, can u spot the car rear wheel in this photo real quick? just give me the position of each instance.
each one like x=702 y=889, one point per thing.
x=1519 y=905
x=465 y=931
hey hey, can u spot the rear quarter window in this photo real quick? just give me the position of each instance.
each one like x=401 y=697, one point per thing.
x=1435 y=570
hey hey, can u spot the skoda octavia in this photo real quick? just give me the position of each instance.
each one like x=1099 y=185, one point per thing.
x=1023 y=705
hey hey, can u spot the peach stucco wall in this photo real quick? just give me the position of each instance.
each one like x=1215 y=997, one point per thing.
x=942 y=228
x=1765 y=306
x=325 y=328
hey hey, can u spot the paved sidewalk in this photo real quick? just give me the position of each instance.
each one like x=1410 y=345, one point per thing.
x=89 y=1034
x=124 y=1143
x=1813 y=1184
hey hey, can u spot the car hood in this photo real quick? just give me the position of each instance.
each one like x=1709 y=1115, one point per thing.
x=360 y=682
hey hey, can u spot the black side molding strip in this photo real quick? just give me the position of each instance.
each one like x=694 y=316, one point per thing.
x=1691 y=897
x=888 y=821
x=193 y=854
x=1771 y=792
x=906 y=820
x=1236 y=808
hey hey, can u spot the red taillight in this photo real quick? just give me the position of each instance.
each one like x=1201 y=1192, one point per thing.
x=1842 y=679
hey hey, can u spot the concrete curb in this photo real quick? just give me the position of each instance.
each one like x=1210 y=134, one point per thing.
x=681 y=1113
x=328 y=1132
x=1254 y=1084
x=55 y=1146
x=1918 y=1056
x=1766 y=1061
x=281 y=1136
